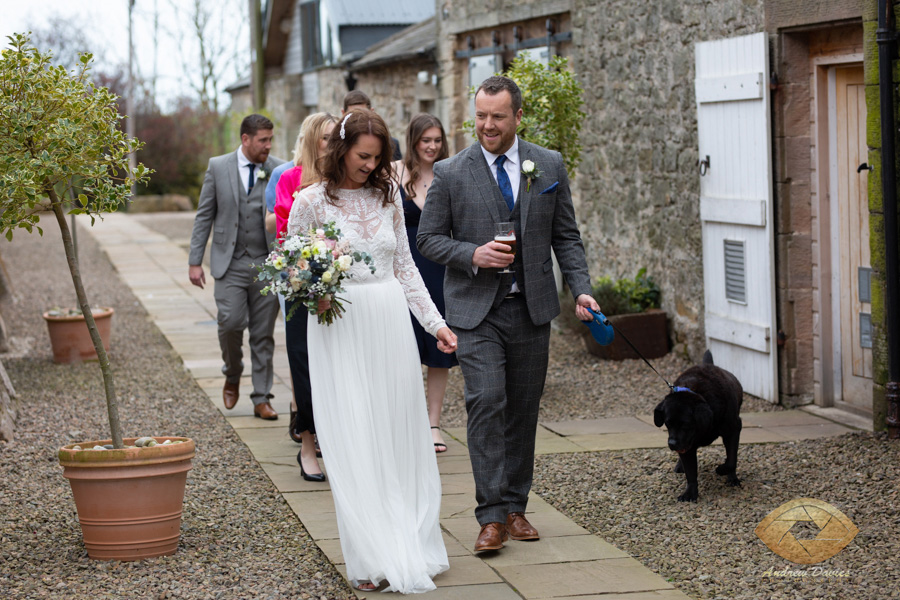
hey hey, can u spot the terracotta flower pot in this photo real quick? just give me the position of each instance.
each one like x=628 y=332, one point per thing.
x=71 y=339
x=129 y=501
x=648 y=331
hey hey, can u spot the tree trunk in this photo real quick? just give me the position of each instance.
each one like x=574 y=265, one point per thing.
x=112 y=405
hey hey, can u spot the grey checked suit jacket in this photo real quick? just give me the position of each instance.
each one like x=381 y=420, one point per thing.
x=218 y=210
x=461 y=208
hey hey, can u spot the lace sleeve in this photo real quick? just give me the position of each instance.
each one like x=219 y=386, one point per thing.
x=303 y=210
x=406 y=272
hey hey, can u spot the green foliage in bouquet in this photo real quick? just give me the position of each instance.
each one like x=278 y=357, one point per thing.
x=551 y=107
x=58 y=128
x=625 y=296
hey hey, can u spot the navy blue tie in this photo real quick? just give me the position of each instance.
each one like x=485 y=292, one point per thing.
x=503 y=182
x=250 y=179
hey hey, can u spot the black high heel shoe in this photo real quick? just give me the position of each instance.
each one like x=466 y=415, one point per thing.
x=317 y=477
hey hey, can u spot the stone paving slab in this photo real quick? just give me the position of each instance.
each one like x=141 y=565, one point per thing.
x=591 y=577
x=654 y=595
x=574 y=548
x=600 y=426
x=567 y=562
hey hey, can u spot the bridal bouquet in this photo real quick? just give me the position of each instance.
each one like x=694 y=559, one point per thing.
x=310 y=267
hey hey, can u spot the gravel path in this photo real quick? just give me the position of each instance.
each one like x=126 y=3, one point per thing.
x=239 y=538
x=709 y=549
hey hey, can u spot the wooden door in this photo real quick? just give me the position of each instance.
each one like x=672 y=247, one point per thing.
x=851 y=268
x=736 y=209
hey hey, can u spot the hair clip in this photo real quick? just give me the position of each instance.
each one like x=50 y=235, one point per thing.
x=343 y=133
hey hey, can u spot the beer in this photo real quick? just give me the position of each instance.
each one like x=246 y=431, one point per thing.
x=505 y=233
x=509 y=240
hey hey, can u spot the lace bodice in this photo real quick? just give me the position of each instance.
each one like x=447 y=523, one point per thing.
x=373 y=228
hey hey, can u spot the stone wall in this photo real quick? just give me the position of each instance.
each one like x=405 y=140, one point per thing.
x=397 y=95
x=880 y=408
x=283 y=104
x=638 y=182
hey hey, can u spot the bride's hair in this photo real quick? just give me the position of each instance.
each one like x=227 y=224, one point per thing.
x=417 y=128
x=356 y=123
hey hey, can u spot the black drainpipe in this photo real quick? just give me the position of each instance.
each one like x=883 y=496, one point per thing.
x=887 y=50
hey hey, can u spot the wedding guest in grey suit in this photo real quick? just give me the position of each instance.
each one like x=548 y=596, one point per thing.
x=503 y=320
x=232 y=204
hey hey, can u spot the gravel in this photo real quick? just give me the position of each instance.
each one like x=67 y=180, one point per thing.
x=240 y=540
x=709 y=549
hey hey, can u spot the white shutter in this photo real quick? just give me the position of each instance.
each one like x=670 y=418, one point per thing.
x=736 y=209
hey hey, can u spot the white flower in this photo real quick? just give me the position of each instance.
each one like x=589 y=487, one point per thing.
x=261 y=174
x=327 y=276
x=527 y=167
x=344 y=262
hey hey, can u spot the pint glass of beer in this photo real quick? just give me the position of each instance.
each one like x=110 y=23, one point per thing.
x=505 y=233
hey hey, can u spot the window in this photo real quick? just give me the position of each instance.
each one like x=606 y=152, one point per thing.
x=310 y=36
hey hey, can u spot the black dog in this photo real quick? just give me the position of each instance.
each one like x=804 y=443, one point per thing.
x=704 y=404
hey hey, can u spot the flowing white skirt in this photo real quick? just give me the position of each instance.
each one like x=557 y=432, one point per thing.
x=373 y=429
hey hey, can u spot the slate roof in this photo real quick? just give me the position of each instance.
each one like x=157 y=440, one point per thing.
x=415 y=41
x=377 y=12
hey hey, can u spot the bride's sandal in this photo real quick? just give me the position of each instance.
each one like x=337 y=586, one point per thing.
x=366 y=586
x=439 y=446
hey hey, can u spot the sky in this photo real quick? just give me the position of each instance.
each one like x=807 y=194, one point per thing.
x=106 y=23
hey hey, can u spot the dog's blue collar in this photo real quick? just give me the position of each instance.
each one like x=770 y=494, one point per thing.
x=678 y=388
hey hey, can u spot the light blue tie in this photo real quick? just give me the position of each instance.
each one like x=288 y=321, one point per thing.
x=503 y=182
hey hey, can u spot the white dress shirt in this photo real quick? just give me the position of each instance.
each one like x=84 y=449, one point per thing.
x=244 y=168
x=512 y=166
x=514 y=171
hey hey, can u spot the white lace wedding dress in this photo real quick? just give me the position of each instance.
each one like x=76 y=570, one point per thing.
x=369 y=399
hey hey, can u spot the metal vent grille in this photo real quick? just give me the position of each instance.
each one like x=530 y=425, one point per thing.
x=735 y=279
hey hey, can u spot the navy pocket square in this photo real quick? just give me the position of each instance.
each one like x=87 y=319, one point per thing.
x=550 y=189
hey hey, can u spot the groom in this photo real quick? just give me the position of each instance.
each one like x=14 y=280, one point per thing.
x=503 y=320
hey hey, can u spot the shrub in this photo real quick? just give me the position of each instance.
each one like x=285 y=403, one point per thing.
x=625 y=296
x=551 y=107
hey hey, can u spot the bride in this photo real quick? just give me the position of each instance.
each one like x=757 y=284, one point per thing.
x=367 y=389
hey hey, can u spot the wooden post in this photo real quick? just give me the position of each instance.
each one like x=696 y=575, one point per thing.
x=258 y=69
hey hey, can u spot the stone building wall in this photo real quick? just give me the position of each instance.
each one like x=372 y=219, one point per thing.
x=397 y=95
x=638 y=182
x=332 y=86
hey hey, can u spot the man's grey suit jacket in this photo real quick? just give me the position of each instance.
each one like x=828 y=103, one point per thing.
x=218 y=210
x=461 y=208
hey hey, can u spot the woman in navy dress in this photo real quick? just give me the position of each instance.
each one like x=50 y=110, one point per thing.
x=425 y=145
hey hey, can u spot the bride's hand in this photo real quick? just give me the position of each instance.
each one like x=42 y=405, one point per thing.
x=324 y=305
x=446 y=340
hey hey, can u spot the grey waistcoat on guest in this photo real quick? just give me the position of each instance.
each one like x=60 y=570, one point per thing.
x=251 y=234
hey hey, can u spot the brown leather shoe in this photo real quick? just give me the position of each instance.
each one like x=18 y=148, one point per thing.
x=265 y=411
x=230 y=394
x=519 y=528
x=491 y=537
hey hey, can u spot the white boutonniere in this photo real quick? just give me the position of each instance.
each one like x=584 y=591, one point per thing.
x=261 y=173
x=530 y=172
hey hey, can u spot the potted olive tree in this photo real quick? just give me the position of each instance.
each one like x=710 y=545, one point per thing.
x=632 y=306
x=57 y=127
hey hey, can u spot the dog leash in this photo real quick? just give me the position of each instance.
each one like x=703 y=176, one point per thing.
x=606 y=321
